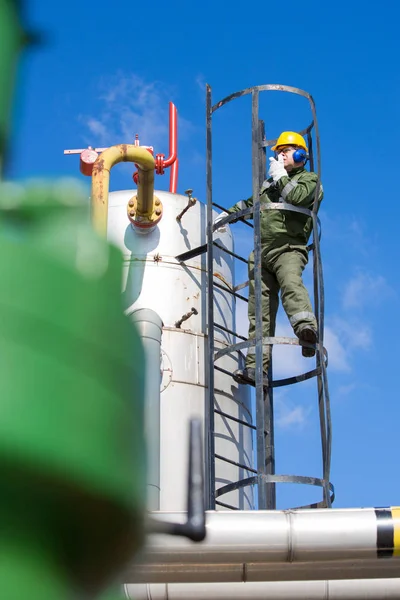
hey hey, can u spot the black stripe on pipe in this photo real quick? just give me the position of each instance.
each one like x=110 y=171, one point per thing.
x=384 y=532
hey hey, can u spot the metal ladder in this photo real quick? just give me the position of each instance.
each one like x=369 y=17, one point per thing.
x=264 y=476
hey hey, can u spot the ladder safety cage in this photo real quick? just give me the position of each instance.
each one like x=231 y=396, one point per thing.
x=265 y=477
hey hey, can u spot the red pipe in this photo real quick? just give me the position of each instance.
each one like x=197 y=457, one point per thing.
x=172 y=160
x=173 y=136
x=173 y=177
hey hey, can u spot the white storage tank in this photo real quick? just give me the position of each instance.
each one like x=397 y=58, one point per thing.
x=153 y=278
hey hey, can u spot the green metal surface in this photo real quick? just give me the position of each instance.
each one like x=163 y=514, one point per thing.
x=32 y=570
x=72 y=457
x=71 y=390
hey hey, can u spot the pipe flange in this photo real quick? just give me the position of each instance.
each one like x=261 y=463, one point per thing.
x=166 y=370
x=141 y=221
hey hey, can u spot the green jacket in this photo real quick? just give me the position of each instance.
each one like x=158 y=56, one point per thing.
x=280 y=227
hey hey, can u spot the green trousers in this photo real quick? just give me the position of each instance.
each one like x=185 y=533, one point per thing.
x=281 y=270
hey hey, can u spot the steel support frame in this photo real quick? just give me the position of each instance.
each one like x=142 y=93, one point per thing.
x=266 y=477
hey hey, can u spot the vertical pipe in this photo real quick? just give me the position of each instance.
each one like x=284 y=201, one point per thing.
x=172 y=160
x=195 y=496
x=149 y=326
x=260 y=412
x=173 y=136
x=101 y=183
x=209 y=407
x=173 y=177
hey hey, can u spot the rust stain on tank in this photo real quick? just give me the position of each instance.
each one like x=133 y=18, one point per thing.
x=223 y=280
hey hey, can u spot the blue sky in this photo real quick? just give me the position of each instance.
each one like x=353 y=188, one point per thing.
x=103 y=74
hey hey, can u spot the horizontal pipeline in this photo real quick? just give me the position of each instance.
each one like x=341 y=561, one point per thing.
x=355 y=589
x=289 y=545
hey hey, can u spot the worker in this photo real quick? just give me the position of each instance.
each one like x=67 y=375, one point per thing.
x=284 y=254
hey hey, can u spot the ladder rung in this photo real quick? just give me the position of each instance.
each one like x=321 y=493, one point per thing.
x=192 y=253
x=232 y=462
x=203 y=249
x=226 y=505
x=224 y=209
x=222 y=370
x=245 y=260
x=241 y=286
x=229 y=331
x=220 y=412
x=226 y=289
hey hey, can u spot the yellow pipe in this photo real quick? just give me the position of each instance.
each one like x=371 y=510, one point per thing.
x=101 y=182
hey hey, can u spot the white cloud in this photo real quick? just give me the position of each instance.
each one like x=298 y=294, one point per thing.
x=352 y=234
x=288 y=417
x=361 y=238
x=131 y=105
x=364 y=289
x=288 y=360
x=287 y=413
x=342 y=337
x=345 y=390
x=338 y=356
x=354 y=334
x=98 y=129
x=201 y=82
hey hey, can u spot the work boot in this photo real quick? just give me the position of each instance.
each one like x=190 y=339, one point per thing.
x=248 y=376
x=307 y=334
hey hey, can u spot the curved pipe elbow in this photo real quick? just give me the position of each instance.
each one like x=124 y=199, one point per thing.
x=145 y=200
x=173 y=135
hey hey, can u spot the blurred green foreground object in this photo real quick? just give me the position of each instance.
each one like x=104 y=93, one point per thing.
x=72 y=457
x=71 y=415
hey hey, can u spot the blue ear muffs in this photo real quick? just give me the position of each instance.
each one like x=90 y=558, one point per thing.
x=300 y=155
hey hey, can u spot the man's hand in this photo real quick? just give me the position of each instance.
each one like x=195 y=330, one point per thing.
x=276 y=168
x=218 y=219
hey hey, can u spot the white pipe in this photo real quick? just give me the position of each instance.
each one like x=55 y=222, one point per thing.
x=149 y=326
x=243 y=546
x=356 y=589
x=262 y=572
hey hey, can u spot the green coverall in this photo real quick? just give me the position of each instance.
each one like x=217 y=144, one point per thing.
x=284 y=255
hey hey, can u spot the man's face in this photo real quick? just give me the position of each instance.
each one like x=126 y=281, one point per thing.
x=287 y=153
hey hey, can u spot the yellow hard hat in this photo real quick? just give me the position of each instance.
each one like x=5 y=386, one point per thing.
x=290 y=138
